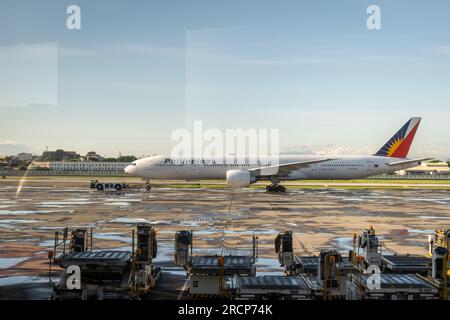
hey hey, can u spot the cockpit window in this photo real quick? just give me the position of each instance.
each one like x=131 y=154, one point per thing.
x=133 y=164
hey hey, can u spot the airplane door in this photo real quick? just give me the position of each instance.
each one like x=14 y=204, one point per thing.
x=370 y=166
x=150 y=171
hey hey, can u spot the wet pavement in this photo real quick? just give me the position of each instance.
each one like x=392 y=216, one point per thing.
x=223 y=222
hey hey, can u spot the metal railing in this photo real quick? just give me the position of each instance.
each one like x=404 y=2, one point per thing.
x=412 y=177
x=122 y=173
x=61 y=173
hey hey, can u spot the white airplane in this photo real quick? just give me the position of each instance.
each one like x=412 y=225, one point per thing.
x=391 y=157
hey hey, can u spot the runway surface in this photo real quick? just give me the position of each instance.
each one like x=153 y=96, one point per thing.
x=223 y=221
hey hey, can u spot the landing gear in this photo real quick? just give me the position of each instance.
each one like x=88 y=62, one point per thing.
x=148 y=187
x=275 y=188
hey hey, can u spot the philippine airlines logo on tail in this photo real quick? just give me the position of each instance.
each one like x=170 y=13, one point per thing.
x=398 y=145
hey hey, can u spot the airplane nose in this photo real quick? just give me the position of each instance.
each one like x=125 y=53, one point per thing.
x=129 y=169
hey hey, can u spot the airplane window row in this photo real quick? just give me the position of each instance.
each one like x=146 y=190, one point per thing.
x=206 y=164
x=342 y=165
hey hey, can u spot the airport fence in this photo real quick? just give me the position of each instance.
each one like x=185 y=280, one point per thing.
x=412 y=177
x=61 y=173
x=123 y=174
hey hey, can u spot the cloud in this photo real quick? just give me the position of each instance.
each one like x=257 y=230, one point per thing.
x=149 y=49
x=280 y=62
x=289 y=61
x=443 y=50
x=437 y=153
x=123 y=47
x=387 y=58
x=358 y=60
x=329 y=149
x=75 y=52
x=11 y=148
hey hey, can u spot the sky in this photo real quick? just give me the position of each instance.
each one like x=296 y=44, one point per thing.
x=138 y=70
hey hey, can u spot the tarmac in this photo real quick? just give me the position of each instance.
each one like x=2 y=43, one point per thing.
x=223 y=221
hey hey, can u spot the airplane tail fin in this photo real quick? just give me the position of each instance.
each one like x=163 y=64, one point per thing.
x=398 y=145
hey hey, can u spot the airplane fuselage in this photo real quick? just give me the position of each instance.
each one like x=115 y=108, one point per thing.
x=343 y=167
x=243 y=171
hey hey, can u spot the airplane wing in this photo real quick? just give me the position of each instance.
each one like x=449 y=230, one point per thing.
x=397 y=163
x=286 y=168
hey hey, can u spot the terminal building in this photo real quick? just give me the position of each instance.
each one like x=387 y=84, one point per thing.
x=427 y=168
x=81 y=166
x=23 y=156
x=93 y=156
x=60 y=155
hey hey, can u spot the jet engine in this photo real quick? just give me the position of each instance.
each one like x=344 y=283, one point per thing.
x=239 y=178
